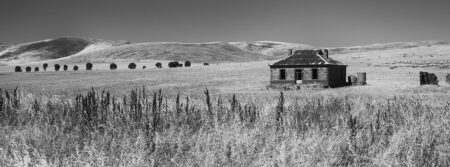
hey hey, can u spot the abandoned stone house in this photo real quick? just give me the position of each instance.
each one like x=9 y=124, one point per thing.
x=307 y=68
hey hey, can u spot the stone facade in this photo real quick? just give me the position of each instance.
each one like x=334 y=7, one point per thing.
x=300 y=70
x=326 y=76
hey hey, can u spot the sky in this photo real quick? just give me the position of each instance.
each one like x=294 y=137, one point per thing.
x=315 y=22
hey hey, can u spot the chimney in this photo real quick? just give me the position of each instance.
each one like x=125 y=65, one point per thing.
x=325 y=53
x=290 y=52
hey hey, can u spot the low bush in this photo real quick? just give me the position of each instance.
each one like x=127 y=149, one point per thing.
x=89 y=66
x=28 y=69
x=113 y=66
x=158 y=65
x=132 y=66
x=57 y=67
x=187 y=63
x=45 y=66
x=174 y=64
x=65 y=67
x=36 y=69
x=18 y=69
x=75 y=68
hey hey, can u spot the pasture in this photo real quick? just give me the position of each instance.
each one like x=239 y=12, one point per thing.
x=223 y=78
x=390 y=122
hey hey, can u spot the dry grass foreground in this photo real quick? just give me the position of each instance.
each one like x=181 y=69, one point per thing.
x=147 y=128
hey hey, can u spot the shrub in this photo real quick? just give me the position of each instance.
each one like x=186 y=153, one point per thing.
x=28 y=69
x=187 y=63
x=18 y=69
x=57 y=67
x=45 y=66
x=65 y=67
x=206 y=64
x=89 y=66
x=75 y=68
x=158 y=65
x=173 y=64
x=143 y=67
x=36 y=69
x=113 y=66
x=132 y=66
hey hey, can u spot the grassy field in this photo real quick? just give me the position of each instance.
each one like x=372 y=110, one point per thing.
x=55 y=119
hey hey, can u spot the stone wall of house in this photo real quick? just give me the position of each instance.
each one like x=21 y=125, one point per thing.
x=290 y=74
x=337 y=76
x=274 y=74
x=322 y=73
x=307 y=74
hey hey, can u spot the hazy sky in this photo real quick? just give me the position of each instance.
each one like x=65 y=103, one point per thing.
x=315 y=22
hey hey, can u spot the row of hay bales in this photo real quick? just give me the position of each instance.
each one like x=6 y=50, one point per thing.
x=359 y=79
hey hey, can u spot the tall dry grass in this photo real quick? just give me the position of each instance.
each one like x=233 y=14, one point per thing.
x=147 y=128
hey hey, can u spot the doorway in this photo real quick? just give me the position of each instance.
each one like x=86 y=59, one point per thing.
x=298 y=76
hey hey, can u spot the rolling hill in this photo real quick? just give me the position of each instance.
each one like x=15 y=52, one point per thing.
x=79 y=50
x=195 y=52
x=274 y=50
x=50 y=49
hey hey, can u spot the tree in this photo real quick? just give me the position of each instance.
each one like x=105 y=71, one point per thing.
x=113 y=66
x=89 y=66
x=45 y=66
x=57 y=67
x=28 y=69
x=173 y=64
x=75 y=68
x=18 y=69
x=187 y=63
x=132 y=66
x=158 y=65
x=36 y=69
x=65 y=67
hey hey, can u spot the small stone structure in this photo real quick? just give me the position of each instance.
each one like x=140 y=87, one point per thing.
x=447 y=78
x=309 y=69
x=359 y=80
x=428 y=78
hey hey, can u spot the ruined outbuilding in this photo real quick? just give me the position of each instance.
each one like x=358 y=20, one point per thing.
x=307 y=68
x=427 y=78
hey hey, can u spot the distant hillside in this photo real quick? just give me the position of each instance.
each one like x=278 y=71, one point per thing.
x=80 y=50
x=386 y=46
x=71 y=49
x=3 y=46
x=50 y=49
x=273 y=50
x=207 y=52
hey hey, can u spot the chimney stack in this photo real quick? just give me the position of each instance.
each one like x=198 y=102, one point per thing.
x=325 y=53
x=290 y=52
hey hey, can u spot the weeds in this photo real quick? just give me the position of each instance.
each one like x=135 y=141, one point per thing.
x=149 y=129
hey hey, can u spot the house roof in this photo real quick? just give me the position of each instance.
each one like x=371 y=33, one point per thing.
x=307 y=58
